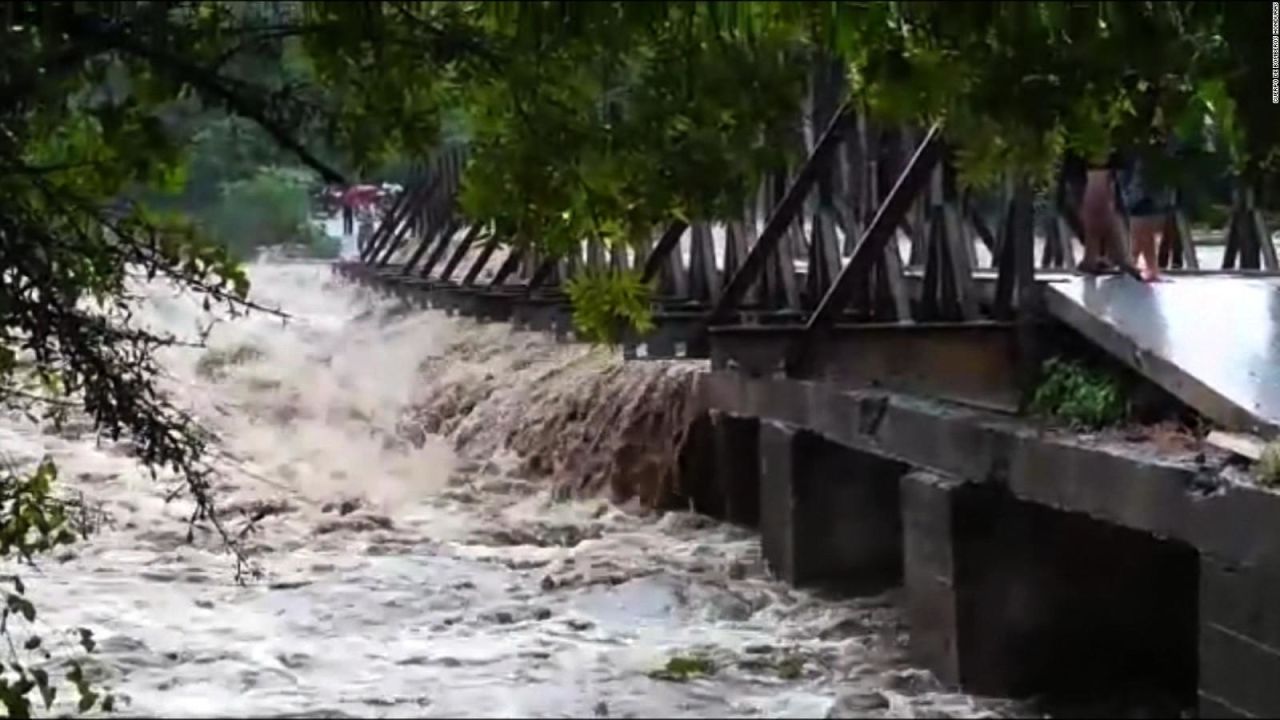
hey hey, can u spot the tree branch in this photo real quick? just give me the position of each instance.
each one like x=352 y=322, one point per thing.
x=210 y=84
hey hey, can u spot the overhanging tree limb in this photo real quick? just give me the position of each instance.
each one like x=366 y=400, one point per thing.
x=210 y=84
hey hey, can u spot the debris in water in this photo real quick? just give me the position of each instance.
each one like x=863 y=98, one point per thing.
x=288 y=585
x=684 y=668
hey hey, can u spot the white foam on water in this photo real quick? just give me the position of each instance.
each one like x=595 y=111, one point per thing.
x=404 y=581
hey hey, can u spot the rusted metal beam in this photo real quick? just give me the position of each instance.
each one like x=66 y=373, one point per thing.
x=1024 y=263
x=477 y=267
x=979 y=224
x=389 y=243
x=704 y=280
x=369 y=249
x=892 y=294
x=510 y=265
x=468 y=240
x=782 y=216
x=881 y=230
x=372 y=245
x=431 y=232
x=824 y=251
x=972 y=363
x=418 y=194
x=542 y=272
x=427 y=241
x=961 y=262
x=1002 y=309
x=450 y=228
x=669 y=241
x=870 y=249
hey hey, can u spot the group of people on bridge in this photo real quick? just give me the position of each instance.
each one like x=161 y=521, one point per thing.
x=358 y=203
x=1122 y=181
x=1128 y=180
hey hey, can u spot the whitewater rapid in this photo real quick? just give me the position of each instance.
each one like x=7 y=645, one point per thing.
x=401 y=579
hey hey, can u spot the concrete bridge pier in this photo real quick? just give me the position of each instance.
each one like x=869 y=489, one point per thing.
x=828 y=513
x=737 y=466
x=1011 y=598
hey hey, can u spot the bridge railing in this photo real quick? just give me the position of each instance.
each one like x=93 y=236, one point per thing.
x=870 y=227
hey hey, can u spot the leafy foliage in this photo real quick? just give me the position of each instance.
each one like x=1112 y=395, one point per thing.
x=606 y=305
x=1079 y=396
x=270 y=208
x=93 y=100
x=34 y=520
x=609 y=119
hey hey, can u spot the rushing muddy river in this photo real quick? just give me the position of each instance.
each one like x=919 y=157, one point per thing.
x=402 y=579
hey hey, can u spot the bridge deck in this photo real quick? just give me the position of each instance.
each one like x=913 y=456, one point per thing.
x=1212 y=342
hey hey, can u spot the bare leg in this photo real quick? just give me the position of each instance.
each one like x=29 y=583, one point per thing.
x=1097 y=215
x=1146 y=231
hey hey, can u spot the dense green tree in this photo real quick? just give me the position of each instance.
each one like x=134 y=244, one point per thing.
x=94 y=99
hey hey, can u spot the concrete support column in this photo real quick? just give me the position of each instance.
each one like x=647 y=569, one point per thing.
x=720 y=468
x=737 y=467
x=1010 y=598
x=697 y=486
x=1239 y=640
x=828 y=514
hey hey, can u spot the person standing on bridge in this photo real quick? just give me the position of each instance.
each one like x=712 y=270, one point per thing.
x=1145 y=199
x=1148 y=204
x=1098 y=215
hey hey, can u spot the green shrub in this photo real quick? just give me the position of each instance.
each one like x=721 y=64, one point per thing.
x=1080 y=396
x=607 y=304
